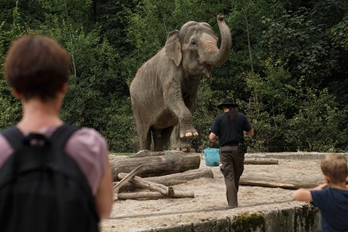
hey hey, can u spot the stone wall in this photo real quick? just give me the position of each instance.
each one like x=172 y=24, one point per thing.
x=299 y=219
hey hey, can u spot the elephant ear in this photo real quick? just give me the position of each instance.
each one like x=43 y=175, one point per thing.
x=172 y=47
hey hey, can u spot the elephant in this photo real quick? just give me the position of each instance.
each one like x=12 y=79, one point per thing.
x=164 y=90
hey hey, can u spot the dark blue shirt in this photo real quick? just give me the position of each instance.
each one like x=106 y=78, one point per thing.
x=333 y=204
x=230 y=130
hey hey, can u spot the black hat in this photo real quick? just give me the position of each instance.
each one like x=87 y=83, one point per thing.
x=228 y=103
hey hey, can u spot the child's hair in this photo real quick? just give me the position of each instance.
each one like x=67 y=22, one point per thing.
x=335 y=167
x=37 y=66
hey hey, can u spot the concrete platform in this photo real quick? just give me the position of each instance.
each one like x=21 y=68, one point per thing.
x=261 y=209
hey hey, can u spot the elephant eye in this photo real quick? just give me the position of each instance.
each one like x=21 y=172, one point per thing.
x=193 y=42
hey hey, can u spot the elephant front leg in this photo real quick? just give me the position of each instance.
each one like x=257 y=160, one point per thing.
x=173 y=100
x=183 y=133
x=180 y=144
x=186 y=129
x=184 y=117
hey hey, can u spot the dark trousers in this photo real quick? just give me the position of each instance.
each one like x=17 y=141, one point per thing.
x=232 y=167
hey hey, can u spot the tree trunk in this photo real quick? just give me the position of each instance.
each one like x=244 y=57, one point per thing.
x=155 y=165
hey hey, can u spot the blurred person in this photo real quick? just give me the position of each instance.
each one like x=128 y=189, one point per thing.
x=37 y=70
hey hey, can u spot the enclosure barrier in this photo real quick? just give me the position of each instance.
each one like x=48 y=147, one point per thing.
x=300 y=219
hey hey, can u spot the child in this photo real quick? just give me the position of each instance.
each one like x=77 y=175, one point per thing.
x=332 y=197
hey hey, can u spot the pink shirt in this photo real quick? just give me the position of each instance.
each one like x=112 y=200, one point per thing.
x=86 y=146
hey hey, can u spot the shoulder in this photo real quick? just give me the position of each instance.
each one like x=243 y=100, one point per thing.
x=241 y=115
x=88 y=140
x=87 y=136
x=222 y=116
x=89 y=149
x=84 y=136
x=5 y=150
x=322 y=196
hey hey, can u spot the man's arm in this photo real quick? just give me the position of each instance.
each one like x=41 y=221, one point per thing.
x=212 y=137
x=249 y=133
x=303 y=194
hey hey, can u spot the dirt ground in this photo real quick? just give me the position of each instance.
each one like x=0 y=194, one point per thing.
x=209 y=200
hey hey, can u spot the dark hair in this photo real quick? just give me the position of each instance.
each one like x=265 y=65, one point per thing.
x=37 y=66
x=233 y=111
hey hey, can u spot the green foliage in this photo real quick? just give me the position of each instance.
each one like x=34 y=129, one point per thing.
x=270 y=104
x=274 y=91
x=287 y=68
x=301 y=40
x=319 y=125
x=11 y=110
x=120 y=126
x=340 y=33
x=204 y=115
x=296 y=41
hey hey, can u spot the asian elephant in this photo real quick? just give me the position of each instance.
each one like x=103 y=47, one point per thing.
x=164 y=89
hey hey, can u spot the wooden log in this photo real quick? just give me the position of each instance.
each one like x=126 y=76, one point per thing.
x=260 y=161
x=279 y=181
x=142 y=183
x=267 y=184
x=170 y=163
x=180 y=178
x=126 y=178
x=146 y=153
x=153 y=195
x=173 y=179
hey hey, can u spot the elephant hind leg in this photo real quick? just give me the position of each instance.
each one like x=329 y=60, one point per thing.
x=144 y=136
x=161 y=138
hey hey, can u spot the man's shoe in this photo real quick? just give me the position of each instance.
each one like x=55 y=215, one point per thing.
x=231 y=206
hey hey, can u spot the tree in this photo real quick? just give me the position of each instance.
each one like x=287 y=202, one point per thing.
x=287 y=68
x=10 y=29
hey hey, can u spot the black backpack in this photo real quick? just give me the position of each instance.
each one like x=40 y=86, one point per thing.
x=42 y=189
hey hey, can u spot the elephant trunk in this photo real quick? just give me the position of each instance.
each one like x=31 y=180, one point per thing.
x=226 y=43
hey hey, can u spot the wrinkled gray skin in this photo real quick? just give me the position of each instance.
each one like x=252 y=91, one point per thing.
x=164 y=90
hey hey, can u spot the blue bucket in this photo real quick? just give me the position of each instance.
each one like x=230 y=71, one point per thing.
x=212 y=157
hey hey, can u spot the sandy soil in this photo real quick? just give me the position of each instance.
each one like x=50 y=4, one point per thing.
x=210 y=201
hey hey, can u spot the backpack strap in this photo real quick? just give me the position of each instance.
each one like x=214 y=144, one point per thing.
x=14 y=136
x=61 y=135
x=68 y=166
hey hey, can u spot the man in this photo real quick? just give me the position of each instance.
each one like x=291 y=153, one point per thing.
x=230 y=127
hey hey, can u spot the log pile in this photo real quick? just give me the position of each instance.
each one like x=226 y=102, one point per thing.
x=168 y=180
x=158 y=190
x=152 y=175
x=155 y=163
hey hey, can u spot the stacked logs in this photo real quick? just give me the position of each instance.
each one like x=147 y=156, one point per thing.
x=154 y=173
x=165 y=167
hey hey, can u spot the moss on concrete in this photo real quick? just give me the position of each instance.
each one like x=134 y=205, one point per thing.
x=248 y=222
